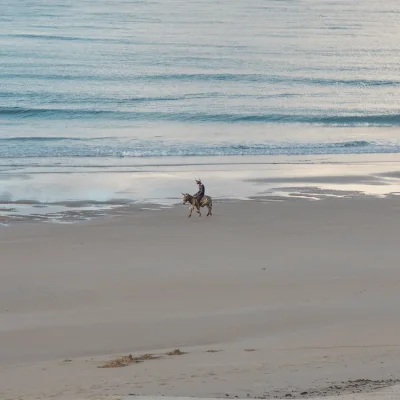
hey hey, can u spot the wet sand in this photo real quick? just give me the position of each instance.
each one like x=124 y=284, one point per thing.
x=66 y=194
x=294 y=296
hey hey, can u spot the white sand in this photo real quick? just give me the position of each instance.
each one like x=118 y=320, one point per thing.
x=312 y=287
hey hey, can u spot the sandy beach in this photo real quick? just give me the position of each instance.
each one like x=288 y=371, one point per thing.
x=291 y=298
x=288 y=112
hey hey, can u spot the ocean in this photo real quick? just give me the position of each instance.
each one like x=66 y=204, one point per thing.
x=88 y=84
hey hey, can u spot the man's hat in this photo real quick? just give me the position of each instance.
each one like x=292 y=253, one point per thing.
x=198 y=181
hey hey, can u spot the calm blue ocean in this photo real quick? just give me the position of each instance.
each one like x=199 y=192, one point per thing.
x=114 y=78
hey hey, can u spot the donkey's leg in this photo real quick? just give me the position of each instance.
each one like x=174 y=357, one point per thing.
x=190 y=211
x=197 y=205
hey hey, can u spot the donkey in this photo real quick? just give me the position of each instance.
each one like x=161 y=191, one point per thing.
x=206 y=201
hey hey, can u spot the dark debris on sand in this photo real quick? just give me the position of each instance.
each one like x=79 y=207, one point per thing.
x=176 y=352
x=335 y=389
x=127 y=360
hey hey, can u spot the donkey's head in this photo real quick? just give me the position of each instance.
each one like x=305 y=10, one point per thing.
x=186 y=198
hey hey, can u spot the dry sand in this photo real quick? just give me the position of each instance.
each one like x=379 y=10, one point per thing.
x=312 y=287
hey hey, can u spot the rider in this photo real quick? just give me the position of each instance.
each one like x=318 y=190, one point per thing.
x=199 y=195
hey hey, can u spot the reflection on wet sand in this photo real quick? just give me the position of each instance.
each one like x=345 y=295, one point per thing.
x=75 y=196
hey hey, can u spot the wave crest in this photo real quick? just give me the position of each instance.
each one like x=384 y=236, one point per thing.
x=277 y=118
x=17 y=147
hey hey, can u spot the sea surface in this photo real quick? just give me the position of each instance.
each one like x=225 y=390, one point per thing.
x=92 y=84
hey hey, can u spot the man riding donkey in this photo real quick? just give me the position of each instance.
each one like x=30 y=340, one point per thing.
x=200 y=193
x=198 y=200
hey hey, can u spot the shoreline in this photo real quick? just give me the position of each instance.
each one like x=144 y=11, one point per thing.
x=67 y=197
x=60 y=214
x=311 y=286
